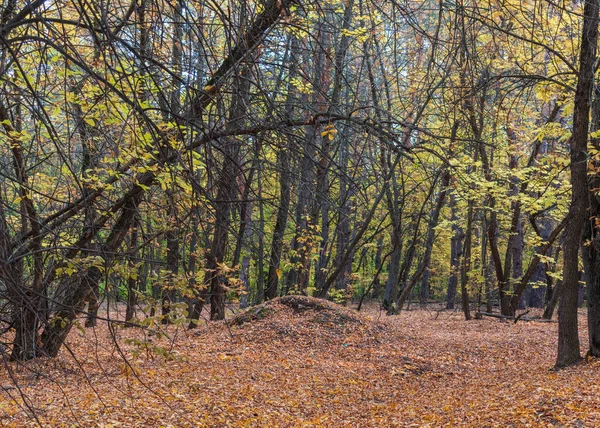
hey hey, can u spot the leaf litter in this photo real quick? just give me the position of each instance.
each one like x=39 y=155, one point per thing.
x=299 y=361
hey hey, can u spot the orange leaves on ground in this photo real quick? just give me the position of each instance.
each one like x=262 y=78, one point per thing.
x=304 y=365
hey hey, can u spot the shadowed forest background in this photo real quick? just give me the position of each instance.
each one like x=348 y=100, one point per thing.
x=167 y=164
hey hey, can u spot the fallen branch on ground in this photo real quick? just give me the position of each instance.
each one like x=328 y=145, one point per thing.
x=517 y=318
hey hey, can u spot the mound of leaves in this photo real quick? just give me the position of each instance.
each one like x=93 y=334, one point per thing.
x=300 y=318
x=317 y=310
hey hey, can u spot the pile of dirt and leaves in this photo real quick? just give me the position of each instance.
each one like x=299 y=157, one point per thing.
x=301 y=318
x=298 y=361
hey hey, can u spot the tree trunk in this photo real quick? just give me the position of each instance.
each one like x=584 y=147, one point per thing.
x=378 y=266
x=226 y=197
x=280 y=225
x=568 y=336
x=433 y=221
x=260 y=264
x=169 y=287
x=285 y=182
x=345 y=210
x=591 y=238
x=132 y=280
x=323 y=166
x=60 y=325
x=455 y=255
x=466 y=264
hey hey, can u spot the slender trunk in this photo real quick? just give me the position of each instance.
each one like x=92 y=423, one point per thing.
x=323 y=167
x=280 y=225
x=226 y=196
x=302 y=242
x=378 y=265
x=535 y=291
x=283 y=158
x=433 y=221
x=168 y=288
x=344 y=231
x=551 y=305
x=132 y=280
x=407 y=290
x=455 y=255
x=192 y=262
x=466 y=264
x=260 y=264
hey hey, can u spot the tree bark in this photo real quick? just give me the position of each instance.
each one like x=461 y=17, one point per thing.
x=591 y=239
x=568 y=336
x=169 y=287
x=283 y=157
x=132 y=280
x=455 y=255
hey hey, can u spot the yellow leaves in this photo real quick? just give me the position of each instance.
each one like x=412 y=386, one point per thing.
x=144 y=187
x=224 y=269
x=361 y=33
x=329 y=132
x=69 y=270
x=552 y=130
x=301 y=86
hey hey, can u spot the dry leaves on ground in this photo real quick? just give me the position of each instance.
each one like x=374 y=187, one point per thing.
x=312 y=363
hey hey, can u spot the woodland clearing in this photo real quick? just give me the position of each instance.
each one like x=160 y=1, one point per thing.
x=304 y=367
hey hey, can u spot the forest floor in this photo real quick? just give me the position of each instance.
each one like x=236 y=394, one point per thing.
x=330 y=366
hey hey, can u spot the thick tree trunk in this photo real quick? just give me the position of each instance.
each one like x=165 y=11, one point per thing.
x=80 y=286
x=216 y=257
x=298 y=275
x=29 y=301
x=568 y=336
x=591 y=237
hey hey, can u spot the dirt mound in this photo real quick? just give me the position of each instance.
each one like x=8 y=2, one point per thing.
x=316 y=310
